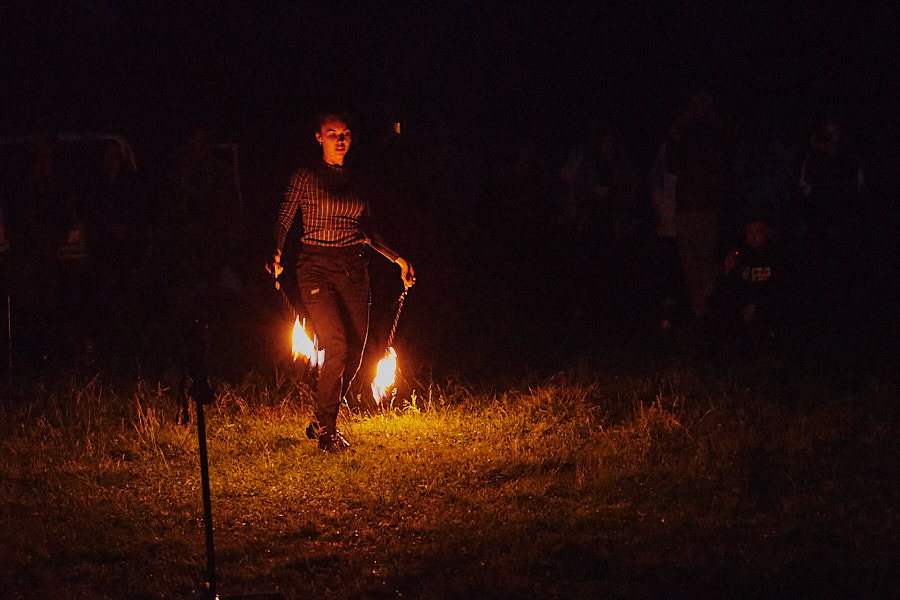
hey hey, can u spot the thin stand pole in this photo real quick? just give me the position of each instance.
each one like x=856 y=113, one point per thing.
x=207 y=504
x=9 y=365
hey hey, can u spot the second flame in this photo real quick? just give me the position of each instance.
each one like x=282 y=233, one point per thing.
x=385 y=373
x=303 y=345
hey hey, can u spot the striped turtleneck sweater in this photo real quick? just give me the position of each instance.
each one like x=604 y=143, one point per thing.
x=333 y=211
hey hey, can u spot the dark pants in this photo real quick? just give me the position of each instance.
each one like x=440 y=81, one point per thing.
x=334 y=288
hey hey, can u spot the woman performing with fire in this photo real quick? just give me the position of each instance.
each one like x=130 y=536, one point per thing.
x=332 y=275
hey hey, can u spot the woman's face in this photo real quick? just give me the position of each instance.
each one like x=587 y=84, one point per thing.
x=334 y=135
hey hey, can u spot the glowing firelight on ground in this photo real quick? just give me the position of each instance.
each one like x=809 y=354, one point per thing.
x=303 y=345
x=385 y=374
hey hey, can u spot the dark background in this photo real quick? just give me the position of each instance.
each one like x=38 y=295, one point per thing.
x=148 y=67
x=469 y=81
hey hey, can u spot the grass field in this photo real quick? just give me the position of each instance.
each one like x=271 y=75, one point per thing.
x=667 y=483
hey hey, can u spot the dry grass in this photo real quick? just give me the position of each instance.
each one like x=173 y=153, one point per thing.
x=641 y=486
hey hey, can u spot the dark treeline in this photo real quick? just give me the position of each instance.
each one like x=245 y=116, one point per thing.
x=527 y=186
x=537 y=240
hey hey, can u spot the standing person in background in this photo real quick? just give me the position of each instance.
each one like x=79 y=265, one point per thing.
x=698 y=154
x=829 y=202
x=205 y=220
x=665 y=262
x=332 y=275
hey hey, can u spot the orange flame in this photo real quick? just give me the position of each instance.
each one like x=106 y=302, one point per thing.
x=385 y=373
x=303 y=345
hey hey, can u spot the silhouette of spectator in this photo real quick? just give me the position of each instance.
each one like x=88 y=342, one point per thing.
x=36 y=210
x=698 y=154
x=119 y=221
x=830 y=182
x=47 y=250
x=763 y=171
x=525 y=188
x=606 y=192
x=662 y=189
x=204 y=219
x=665 y=264
x=202 y=233
x=753 y=311
x=827 y=211
x=830 y=188
x=751 y=294
x=518 y=278
x=568 y=174
x=601 y=224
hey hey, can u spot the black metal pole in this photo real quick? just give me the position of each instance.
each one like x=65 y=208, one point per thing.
x=9 y=376
x=8 y=286
x=207 y=504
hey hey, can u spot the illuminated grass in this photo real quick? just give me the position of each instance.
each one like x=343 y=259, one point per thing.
x=609 y=486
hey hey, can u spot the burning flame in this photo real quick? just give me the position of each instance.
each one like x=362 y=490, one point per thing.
x=385 y=374
x=303 y=345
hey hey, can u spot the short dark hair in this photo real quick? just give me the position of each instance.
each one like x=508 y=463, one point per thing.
x=328 y=115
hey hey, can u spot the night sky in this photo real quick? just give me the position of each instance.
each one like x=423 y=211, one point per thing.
x=147 y=67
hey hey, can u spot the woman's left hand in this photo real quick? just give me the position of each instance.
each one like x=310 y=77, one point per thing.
x=407 y=273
